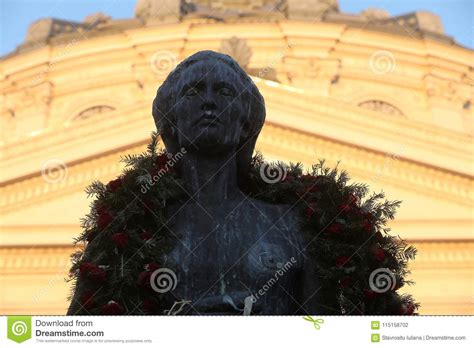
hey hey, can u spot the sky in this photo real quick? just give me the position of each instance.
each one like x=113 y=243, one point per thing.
x=17 y=15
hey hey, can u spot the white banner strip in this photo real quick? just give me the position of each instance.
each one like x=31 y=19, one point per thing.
x=238 y=332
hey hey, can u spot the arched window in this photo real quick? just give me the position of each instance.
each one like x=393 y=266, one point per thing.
x=92 y=111
x=381 y=106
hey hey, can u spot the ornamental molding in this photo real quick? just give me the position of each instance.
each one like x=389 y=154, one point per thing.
x=438 y=87
x=34 y=260
x=300 y=104
x=325 y=117
x=278 y=133
x=311 y=72
x=274 y=139
x=406 y=174
x=39 y=188
x=38 y=96
x=457 y=255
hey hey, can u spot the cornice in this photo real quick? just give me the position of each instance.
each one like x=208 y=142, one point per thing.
x=274 y=140
x=444 y=255
x=34 y=260
x=368 y=164
x=36 y=189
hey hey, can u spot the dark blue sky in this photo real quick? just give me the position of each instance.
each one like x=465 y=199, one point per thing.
x=17 y=15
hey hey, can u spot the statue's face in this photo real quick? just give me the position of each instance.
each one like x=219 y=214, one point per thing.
x=210 y=110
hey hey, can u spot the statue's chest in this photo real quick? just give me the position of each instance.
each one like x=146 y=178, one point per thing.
x=234 y=250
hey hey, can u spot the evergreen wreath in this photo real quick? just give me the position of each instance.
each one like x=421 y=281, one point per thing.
x=125 y=234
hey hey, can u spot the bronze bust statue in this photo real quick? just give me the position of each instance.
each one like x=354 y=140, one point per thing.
x=231 y=244
x=231 y=253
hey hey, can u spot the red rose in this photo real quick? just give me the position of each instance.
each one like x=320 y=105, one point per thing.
x=120 y=240
x=151 y=267
x=93 y=272
x=104 y=219
x=345 y=207
x=379 y=254
x=112 y=308
x=144 y=276
x=309 y=211
x=345 y=282
x=341 y=261
x=87 y=300
x=311 y=188
x=370 y=294
x=86 y=268
x=144 y=279
x=161 y=164
x=334 y=228
x=160 y=167
x=99 y=276
x=368 y=227
x=146 y=236
x=114 y=185
x=162 y=160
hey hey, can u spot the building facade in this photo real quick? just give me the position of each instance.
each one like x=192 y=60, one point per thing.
x=388 y=97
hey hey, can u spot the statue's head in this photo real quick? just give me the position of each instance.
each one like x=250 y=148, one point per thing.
x=210 y=105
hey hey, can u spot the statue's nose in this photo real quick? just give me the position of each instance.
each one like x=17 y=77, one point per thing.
x=208 y=104
x=208 y=101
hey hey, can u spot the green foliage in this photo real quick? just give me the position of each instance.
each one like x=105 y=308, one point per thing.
x=344 y=228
